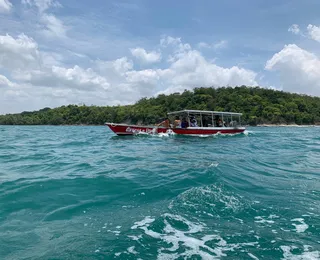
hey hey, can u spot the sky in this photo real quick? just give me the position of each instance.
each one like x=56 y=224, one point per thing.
x=108 y=52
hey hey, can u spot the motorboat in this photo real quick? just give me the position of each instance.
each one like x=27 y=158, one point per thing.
x=188 y=122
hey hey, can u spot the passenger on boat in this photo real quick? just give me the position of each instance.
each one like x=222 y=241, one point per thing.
x=184 y=123
x=165 y=123
x=193 y=122
x=177 y=122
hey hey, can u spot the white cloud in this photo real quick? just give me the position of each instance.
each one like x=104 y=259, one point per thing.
x=165 y=41
x=146 y=57
x=5 y=6
x=125 y=82
x=204 y=45
x=294 y=29
x=21 y=52
x=27 y=64
x=176 y=43
x=42 y=5
x=191 y=69
x=114 y=71
x=53 y=26
x=63 y=78
x=122 y=65
x=108 y=82
x=314 y=32
x=4 y=82
x=219 y=45
x=299 y=69
x=142 y=76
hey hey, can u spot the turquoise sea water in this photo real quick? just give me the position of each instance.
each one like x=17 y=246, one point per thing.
x=84 y=193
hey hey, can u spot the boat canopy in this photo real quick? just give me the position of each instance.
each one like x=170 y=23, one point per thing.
x=204 y=112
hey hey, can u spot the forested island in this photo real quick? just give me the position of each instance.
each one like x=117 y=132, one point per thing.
x=258 y=105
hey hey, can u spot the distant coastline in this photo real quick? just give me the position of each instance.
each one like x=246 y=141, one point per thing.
x=260 y=107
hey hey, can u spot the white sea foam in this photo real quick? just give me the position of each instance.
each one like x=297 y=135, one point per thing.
x=230 y=201
x=300 y=228
x=253 y=256
x=117 y=233
x=135 y=238
x=131 y=250
x=143 y=223
x=164 y=134
x=186 y=243
x=306 y=254
x=262 y=220
x=211 y=199
x=246 y=132
x=214 y=164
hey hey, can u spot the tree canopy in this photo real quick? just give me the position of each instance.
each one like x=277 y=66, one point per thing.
x=258 y=105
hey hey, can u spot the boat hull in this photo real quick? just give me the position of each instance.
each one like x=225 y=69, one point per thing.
x=124 y=129
x=208 y=130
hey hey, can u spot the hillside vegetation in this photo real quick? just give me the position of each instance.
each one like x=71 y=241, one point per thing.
x=258 y=105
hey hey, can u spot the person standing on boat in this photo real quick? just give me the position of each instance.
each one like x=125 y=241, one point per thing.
x=165 y=123
x=177 y=122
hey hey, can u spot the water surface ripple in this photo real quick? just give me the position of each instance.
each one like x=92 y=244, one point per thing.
x=70 y=192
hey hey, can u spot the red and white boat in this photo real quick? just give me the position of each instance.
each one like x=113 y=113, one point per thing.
x=189 y=122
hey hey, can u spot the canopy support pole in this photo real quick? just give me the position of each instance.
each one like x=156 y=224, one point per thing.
x=212 y=120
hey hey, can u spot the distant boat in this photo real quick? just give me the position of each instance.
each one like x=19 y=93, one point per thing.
x=192 y=122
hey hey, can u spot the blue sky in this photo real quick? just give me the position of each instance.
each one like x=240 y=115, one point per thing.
x=114 y=52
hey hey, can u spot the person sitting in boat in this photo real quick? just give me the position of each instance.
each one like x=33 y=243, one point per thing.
x=177 y=122
x=165 y=123
x=193 y=122
x=184 y=123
